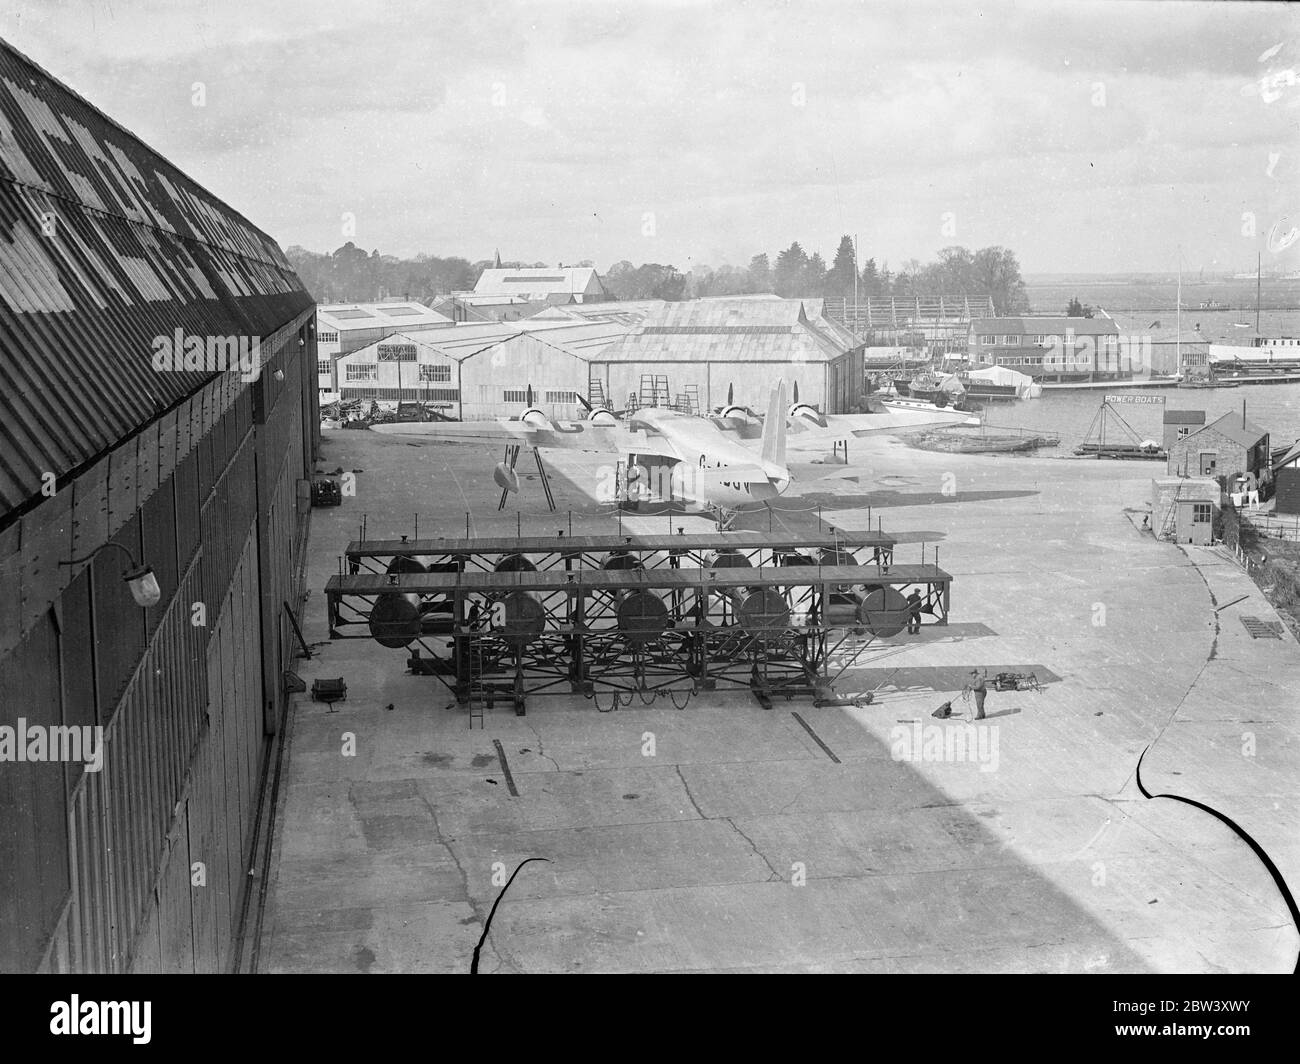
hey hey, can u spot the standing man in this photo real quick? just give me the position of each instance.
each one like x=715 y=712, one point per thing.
x=980 y=688
x=913 y=612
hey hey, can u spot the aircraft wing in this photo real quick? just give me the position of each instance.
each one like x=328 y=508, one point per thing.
x=712 y=478
x=567 y=436
x=888 y=422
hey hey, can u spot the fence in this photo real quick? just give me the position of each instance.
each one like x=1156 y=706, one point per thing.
x=1279 y=527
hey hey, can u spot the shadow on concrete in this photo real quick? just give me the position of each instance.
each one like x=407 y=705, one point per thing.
x=945 y=678
x=943 y=633
x=890 y=498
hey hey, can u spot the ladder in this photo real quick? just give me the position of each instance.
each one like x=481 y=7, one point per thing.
x=1170 y=523
x=474 y=679
x=689 y=400
x=596 y=393
x=653 y=387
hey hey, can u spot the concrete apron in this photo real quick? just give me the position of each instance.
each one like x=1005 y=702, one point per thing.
x=723 y=837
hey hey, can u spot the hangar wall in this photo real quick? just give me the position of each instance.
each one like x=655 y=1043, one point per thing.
x=138 y=862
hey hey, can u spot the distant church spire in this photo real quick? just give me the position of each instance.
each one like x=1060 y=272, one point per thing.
x=497 y=265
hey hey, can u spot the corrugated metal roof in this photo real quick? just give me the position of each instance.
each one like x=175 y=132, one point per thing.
x=105 y=247
x=1237 y=429
x=457 y=341
x=586 y=339
x=726 y=330
x=626 y=312
x=343 y=317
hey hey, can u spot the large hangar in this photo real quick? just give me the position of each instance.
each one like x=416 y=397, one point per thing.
x=485 y=370
x=697 y=352
x=142 y=709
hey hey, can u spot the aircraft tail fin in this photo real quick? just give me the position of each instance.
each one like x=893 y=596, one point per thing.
x=774 y=427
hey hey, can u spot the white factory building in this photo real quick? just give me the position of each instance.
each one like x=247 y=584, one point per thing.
x=577 y=284
x=482 y=370
x=690 y=353
x=344 y=327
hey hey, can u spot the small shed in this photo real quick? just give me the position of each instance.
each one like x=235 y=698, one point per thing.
x=1183 y=509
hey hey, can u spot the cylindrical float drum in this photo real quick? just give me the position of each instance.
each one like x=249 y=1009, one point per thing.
x=764 y=614
x=514 y=563
x=410 y=564
x=620 y=559
x=727 y=558
x=522 y=617
x=642 y=616
x=395 y=619
x=837 y=556
x=883 y=612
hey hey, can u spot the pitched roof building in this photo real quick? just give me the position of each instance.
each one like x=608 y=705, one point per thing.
x=581 y=283
x=1227 y=446
x=1054 y=347
x=699 y=350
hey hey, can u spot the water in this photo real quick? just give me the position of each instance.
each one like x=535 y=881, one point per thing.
x=1273 y=407
x=1160 y=296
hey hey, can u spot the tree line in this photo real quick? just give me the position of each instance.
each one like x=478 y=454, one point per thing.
x=350 y=274
x=956 y=272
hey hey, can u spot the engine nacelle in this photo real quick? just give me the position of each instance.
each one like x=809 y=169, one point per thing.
x=601 y=416
x=533 y=416
x=738 y=412
x=505 y=477
x=810 y=414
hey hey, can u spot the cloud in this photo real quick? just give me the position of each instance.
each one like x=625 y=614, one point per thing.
x=552 y=129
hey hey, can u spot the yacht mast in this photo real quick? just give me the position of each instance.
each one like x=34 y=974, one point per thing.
x=1178 y=319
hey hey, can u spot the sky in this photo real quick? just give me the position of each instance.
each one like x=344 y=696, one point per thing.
x=1088 y=137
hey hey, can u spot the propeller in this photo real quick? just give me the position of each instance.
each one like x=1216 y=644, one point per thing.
x=598 y=415
x=533 y=416
x=806 y=411
x=743 y=413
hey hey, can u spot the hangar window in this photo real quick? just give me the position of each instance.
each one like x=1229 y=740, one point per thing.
x=515 y=395
x=323 y=367
x=397 y=352
x=561 y=397
x=327 y=338
x=435 y=373
x=363 y=371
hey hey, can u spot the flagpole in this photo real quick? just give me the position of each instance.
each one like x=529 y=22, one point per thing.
x=1178 y=320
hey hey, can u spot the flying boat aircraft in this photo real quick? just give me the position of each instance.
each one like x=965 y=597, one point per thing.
x=663 y=455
